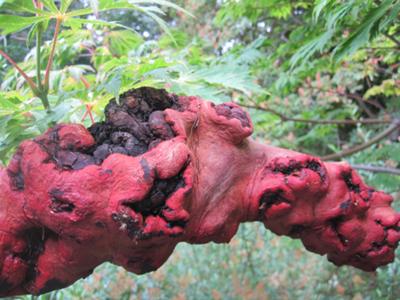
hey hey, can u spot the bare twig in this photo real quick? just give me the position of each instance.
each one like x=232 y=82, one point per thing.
x=326 y=122
x=358 y=148
x=377 y=169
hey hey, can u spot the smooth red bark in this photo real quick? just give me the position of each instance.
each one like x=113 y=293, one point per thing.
x=57 y=224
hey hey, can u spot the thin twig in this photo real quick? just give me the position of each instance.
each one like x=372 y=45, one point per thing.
x=360 y=101
x=23 y=74
x=326 y=122
x=377 y=169
x=358 y=148
x=393 y=39
x=51 y=57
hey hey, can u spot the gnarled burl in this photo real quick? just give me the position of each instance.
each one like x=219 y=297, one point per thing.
x=163 y=169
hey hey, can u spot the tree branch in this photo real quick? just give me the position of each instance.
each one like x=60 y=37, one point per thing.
x=377 y=169
x=393 y=39
x=358 y=148
x=360 y=100
x=321 y=122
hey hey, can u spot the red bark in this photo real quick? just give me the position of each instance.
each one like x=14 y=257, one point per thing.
x=186 y=171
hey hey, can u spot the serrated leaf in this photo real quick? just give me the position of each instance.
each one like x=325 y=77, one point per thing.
x=366 y=31
x=12 y=23
x=19 y=6
x=319 y=6
x=51 y=6
x=65 y=4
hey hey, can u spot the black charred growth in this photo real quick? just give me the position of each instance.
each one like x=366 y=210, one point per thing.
x=132 y=126
x=51 y=285
x=35 y=239
x=14 y=172
x=335 y=224
x=159 y=193
x=152 y=205
x=296 y=166
x=348 y=179
x=231 y=112
x=270 y=198
x=59 y=203
x=135 y=124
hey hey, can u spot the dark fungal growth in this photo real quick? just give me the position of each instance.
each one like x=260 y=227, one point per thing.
x=159 y=193
x=132 y=126
x=35 y=239
x=15 y=172
x=230 y=112
x=270 y=198
x=348 y=179
x=135 y=125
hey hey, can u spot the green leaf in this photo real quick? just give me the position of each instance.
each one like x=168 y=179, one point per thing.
x=114 y=85
x=368 y=29
x=65 y=4
x=160 y=22
x=12 y=23
x=162 y=3
x=50 y=5
x=310 y=48
x=122 y=41
x=319 y=6
x=19 y=6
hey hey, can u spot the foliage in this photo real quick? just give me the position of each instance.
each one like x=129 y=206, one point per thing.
x=91 y=66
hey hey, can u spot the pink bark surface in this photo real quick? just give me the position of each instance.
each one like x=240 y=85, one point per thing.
x=164 y=169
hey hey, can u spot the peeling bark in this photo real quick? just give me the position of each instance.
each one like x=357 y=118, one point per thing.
x=163 y=169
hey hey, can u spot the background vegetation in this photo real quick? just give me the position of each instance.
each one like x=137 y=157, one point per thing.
x=321 y=77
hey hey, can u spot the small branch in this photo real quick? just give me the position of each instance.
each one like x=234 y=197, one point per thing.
x=393 y=39
x=23 y=74
x=321 y=122
x=51 y=57
x=358 y=148
x=360 y=100
x=377 y=169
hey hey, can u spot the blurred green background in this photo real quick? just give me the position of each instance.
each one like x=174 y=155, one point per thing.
x=319 y=77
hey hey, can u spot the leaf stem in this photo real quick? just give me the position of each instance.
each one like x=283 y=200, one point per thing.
x=38 y=56
x=51 y=57
x=23 y=74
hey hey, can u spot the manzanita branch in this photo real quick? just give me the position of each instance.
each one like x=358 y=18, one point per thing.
x=163 y=169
